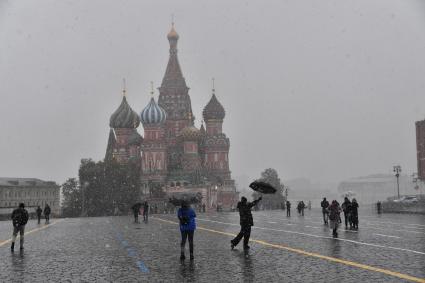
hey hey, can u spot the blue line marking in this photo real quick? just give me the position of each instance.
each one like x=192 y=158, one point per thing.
x=132 y=252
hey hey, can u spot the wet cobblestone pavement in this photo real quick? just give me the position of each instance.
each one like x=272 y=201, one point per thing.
x=296 y=249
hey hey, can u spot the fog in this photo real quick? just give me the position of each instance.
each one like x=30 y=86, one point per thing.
x=325 y=90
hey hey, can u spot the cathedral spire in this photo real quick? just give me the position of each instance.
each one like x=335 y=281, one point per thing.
x=173 y=75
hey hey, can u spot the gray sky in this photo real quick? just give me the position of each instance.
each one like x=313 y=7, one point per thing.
x=323 y=89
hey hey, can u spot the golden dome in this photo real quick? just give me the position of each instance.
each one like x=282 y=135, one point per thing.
x=190 y=133
x=172 y=34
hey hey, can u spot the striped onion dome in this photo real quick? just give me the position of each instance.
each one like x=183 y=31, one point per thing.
x=153 y=114
x=124 y=117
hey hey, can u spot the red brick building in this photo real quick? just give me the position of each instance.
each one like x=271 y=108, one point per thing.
x=174 y=155
x=420 y=147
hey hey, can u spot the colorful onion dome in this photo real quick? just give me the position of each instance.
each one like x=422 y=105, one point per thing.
x=153 y=114
x=190 y=133
x=135 y=138
x=124 y=117
x=213 y=110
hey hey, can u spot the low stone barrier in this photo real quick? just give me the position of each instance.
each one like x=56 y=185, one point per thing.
x=400 y=207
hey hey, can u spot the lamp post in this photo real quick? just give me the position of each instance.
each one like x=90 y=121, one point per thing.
x=397 y=171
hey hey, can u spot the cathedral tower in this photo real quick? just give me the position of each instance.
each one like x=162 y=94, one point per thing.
x=124 y=122
x=154 y=147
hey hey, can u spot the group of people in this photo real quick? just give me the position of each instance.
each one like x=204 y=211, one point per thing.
x=20 y=218
x=332 y=214
x=136 y=211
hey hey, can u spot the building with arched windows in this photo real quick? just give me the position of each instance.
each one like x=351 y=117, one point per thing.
x=174 y=155
x=32 y=192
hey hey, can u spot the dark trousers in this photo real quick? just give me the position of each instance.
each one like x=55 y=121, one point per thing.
x=21 y=230
x=136 y=217
x=288 y=212
x=245 y=233
x=346 y=216
x=325 y=217
x=39 y=218
x=185 y=235
x=145 y=216
x=47 y=216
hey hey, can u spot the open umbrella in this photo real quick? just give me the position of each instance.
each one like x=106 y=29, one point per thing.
x=262 y=187
x=190 y=198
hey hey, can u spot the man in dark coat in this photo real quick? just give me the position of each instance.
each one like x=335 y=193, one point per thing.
x=47 y=212
x=346 y=208
x=136 y=209
x=325 y=204
x=145 y=211
x=288 y=208
x=246 y=222
x=38 y=211
x=19 y=220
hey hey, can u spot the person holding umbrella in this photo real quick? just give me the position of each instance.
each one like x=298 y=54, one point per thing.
x=246 y=222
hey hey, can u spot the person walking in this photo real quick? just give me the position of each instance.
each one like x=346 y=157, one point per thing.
x=378 y=207
x=288 y=209
x=246 y=222
x=355 y=214
x=325 y=204
x=136 y=210
x=334 y=217
x=47 y=212
x=19 y=220
x=145 y=211
x=300 y=208
x=38 y=211
x=346 y=207
x=186 y=216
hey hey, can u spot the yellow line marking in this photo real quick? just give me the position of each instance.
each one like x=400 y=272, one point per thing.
x=32 y=231
x=316 y=255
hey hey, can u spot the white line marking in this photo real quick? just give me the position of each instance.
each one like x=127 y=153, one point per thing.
x=321 y=237
x=387 y=236
x=270 y=222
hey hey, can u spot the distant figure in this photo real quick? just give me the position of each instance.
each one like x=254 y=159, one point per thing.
x=300 y=208
x=145 y=211
x=19 y=220
x=334 y=217
x=38 y=211
x=346 y=207
x=47 y=212
x=309 y=205
x=354 y=214
x=203 y=207
x=288 y=209
x=136 y=209
x=186 y=217
x=246 y=222
x=378 y=207
x=325 y=204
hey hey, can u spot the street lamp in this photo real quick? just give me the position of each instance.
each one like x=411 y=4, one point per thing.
x=397 y=171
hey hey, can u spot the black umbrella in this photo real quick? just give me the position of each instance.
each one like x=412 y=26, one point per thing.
x=262 y=187
x=178 y=199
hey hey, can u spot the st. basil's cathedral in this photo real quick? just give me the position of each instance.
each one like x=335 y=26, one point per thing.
x=175 y=156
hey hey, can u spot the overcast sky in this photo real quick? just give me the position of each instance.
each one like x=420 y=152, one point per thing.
x=323 y=89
